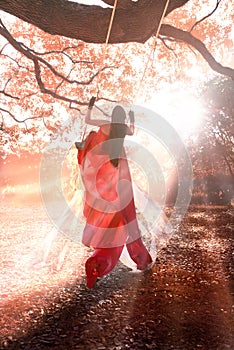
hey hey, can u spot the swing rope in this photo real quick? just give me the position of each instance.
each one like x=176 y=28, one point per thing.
x=161 y=19
x=107 y=40
x=149 y=56
x=153 y=48
x=104 y=53
x=111 y=22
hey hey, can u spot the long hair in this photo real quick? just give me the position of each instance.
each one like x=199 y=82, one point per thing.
x=118 y=130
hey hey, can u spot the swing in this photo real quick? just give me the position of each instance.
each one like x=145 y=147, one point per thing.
x=80 y=144
x=67 y=215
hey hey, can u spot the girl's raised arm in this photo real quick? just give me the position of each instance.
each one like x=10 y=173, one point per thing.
x=95 y=122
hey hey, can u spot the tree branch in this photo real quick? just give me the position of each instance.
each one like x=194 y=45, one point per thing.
x=167 y=46
x=55 y=72
x=23 y=121
x=32 y=56
x=15 y=61
x=90 y=23
x=6 y=93
x=179 y=34
x=60 y=52
x=26 y=52
x=13 y=116
x=207 y=16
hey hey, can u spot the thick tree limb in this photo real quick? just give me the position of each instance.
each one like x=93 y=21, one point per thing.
x=186 y=37
x=90 y=23
x=137 y=23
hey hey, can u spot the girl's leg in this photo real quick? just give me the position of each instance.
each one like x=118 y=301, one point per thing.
x=139 y=254
x=101 y=263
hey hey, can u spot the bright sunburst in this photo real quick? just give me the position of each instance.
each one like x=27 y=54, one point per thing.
x=180 y=108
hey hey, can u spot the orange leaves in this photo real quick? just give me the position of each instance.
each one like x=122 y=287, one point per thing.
x=50 y=73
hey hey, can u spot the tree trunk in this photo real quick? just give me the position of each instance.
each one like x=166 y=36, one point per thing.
x=229 y=167
x=133 y=21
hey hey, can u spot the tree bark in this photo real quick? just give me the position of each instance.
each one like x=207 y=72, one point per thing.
x=188 y=38
x=133 y=21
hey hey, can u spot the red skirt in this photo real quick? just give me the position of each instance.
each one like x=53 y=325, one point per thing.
x=109 y=209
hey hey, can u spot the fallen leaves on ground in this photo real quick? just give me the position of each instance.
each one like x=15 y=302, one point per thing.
x=185 y=301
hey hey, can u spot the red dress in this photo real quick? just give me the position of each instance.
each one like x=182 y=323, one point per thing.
x=109 y=210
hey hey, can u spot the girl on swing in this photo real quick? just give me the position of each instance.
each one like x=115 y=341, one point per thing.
x=109 y=205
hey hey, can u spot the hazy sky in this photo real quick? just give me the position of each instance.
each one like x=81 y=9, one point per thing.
x=91 y=2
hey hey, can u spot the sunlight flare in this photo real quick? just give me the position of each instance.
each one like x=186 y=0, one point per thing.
x=180 y=108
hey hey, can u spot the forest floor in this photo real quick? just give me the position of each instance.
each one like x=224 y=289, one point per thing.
x=185 y=301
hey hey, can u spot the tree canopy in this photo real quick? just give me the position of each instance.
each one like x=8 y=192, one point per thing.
x=134 y=21
x=54 y=60
x=215 y=146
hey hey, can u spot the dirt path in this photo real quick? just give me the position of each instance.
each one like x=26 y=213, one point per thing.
x=186 y=301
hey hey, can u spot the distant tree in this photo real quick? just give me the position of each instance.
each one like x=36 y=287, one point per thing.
x=212 y=152
x=217 y=136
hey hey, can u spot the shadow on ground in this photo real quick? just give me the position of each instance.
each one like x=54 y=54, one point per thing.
x=184 y=302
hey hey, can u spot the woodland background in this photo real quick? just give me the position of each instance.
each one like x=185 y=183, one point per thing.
x=47 y=78
x=53 y=58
